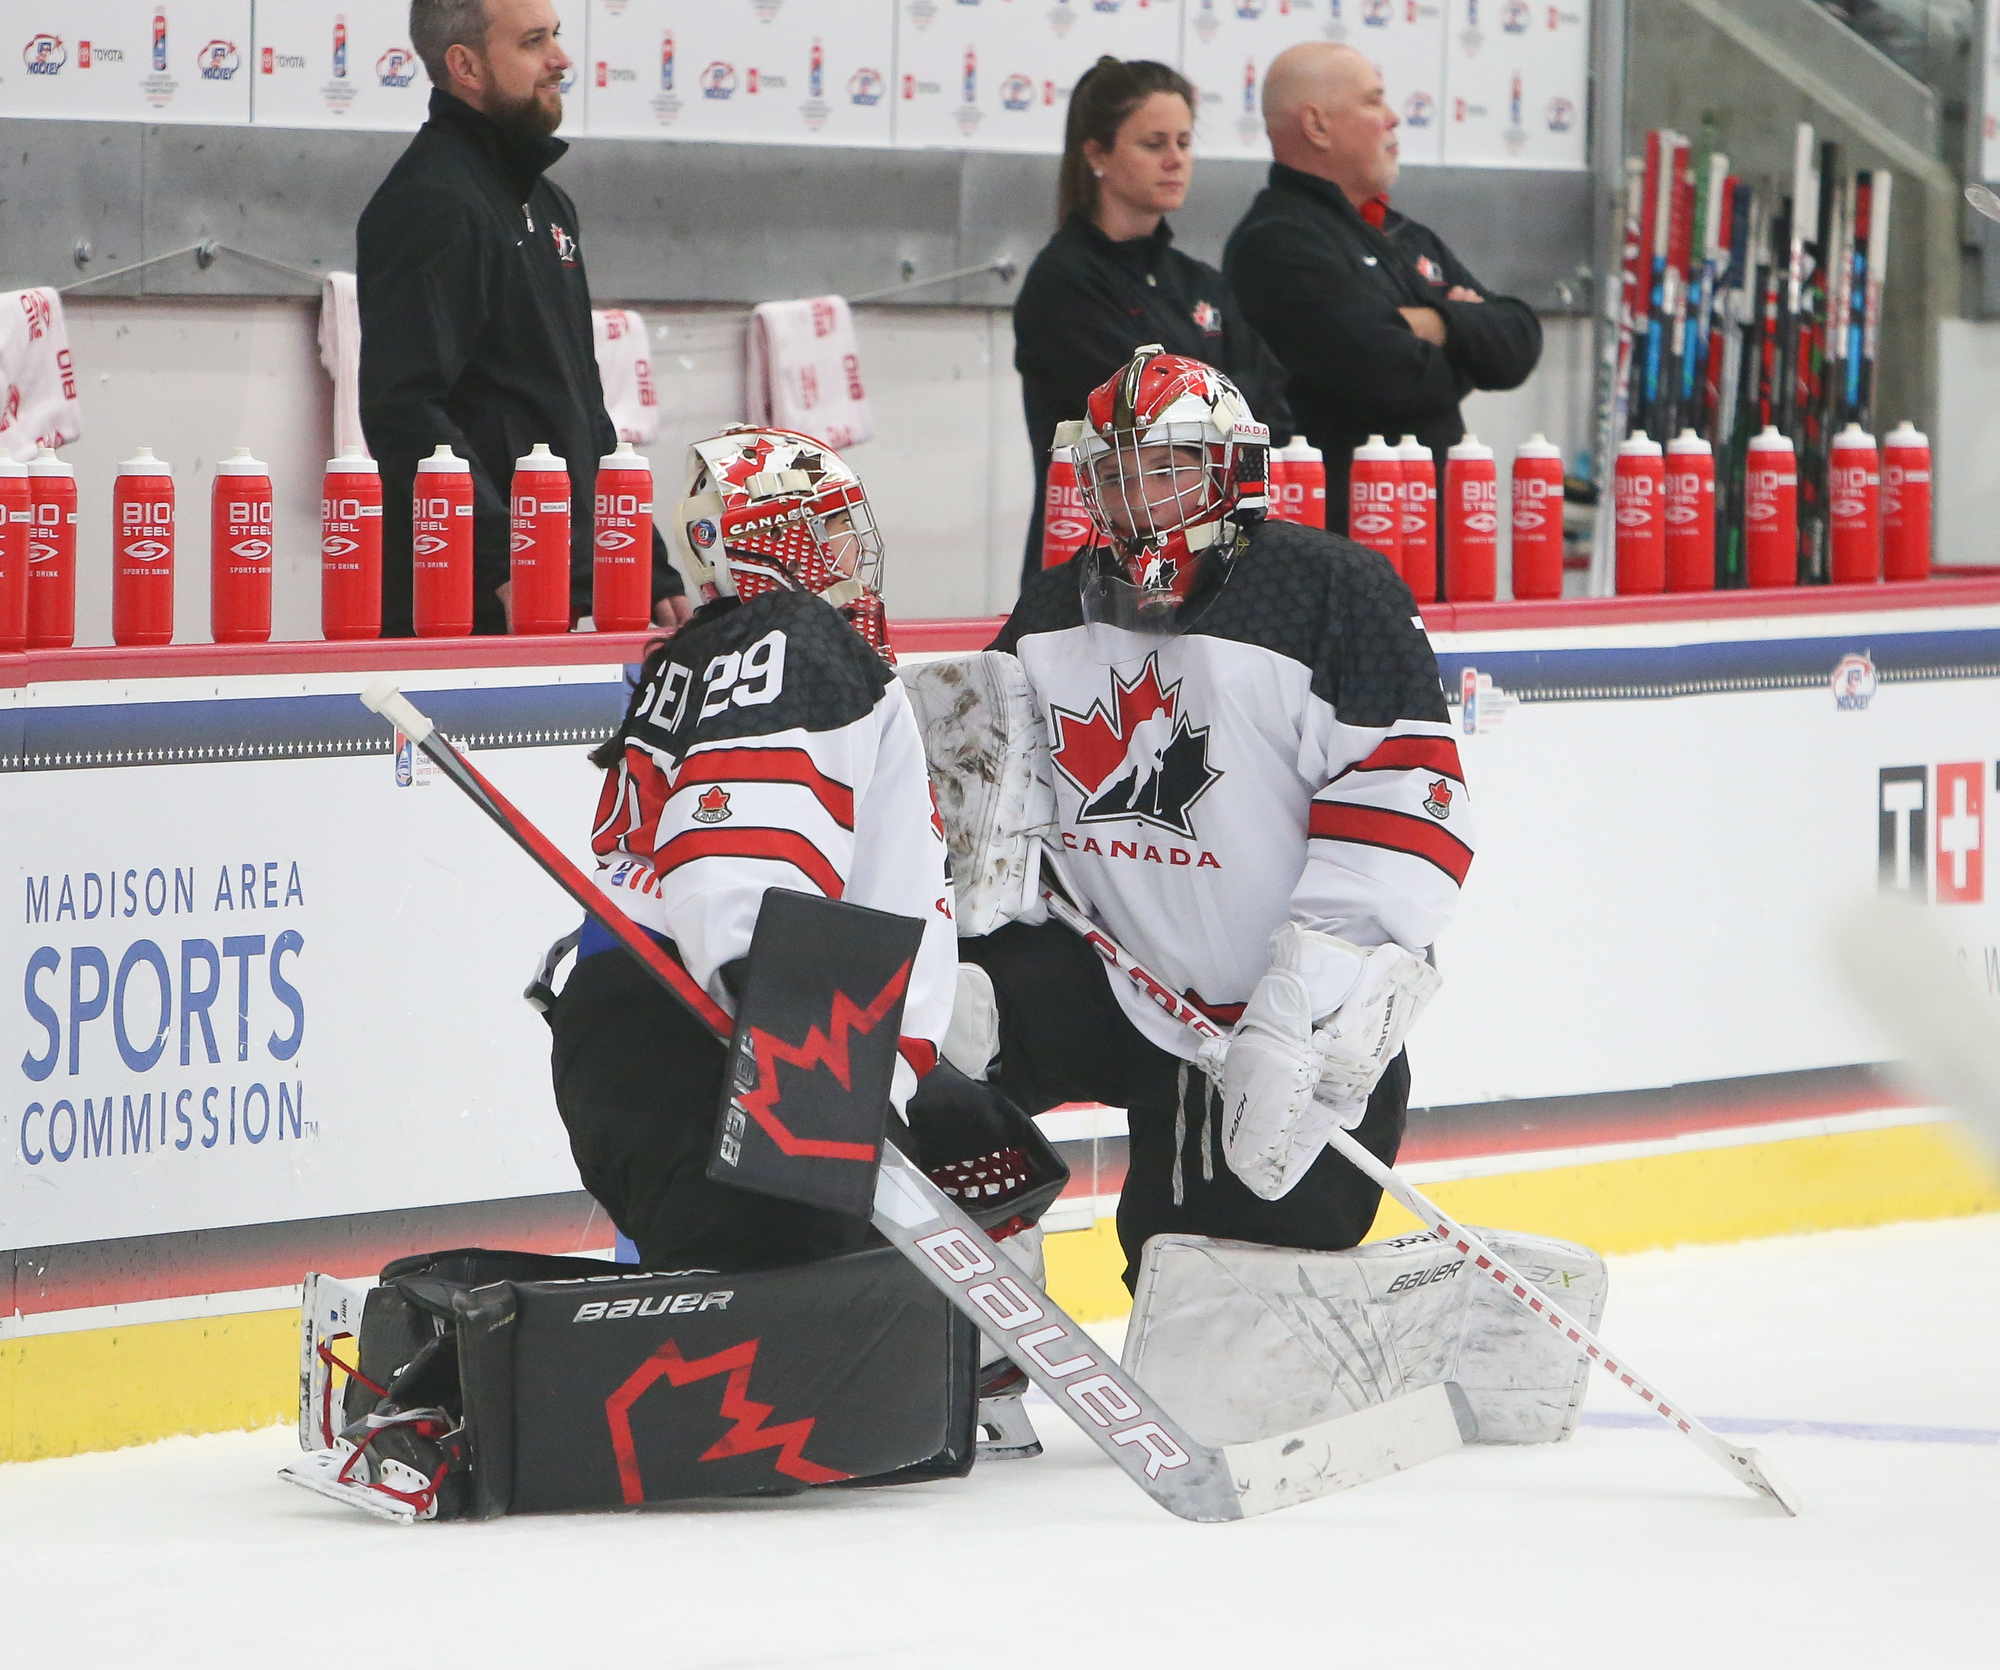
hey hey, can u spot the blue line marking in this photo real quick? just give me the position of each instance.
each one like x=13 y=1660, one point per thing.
x=1755 y=1426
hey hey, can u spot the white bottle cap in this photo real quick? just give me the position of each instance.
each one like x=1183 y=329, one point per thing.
x=1639 y=444
x=1687 y=444
x=144 y=463
x=354 y=460
x=10 y=468
x=1470 y=447
x=1854 y=435
x=1410 y=447
x=627 y=457
x=240 y=462
x=46 y=462
x=1304 y=452
x=1770 y=440
x=442 y=462
x=1376 y=450
x=540 y=458
x=1907 y=433
x=1538 y=445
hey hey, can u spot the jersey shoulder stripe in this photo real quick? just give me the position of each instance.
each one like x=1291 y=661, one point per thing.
x=1413 y=753
x=784 y=846
x=726 y=763
x=1375 y=826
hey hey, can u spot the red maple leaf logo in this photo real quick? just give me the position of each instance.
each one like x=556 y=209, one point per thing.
x=1437 y=799
x=820 y=1049
x=711 y=805
x=1090 y=748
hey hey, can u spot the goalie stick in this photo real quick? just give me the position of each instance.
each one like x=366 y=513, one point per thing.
x=1194 y=1480
x=1744 y=1464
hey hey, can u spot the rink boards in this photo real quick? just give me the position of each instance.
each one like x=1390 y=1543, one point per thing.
x=265 y=975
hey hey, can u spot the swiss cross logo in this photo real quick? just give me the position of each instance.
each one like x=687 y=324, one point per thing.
x=1141 y=759
x=712 y=805
x=1931 y=841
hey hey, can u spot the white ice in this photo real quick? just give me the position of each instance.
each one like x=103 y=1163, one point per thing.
x=1624 y=1547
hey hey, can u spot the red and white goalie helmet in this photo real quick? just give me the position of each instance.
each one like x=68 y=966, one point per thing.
x=1171 y=464
x=773 y=510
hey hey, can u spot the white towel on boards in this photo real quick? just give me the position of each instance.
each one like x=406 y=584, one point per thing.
x=340 y=353
x=37 y=375
x=626 y=373
x=804 y=370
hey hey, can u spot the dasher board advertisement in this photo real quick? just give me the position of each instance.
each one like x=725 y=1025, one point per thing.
x=773 y=71
x=126 y=61
x=1517 y=84
x=997 y=76
x=262 y=965
x=1228 y=45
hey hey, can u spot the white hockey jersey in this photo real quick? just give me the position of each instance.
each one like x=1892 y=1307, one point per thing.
x=1287 y=756
x=771 y=747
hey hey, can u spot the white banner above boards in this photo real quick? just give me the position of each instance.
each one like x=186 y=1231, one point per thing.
x=1499 y=83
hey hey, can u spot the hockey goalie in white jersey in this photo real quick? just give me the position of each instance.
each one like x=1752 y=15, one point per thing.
x=1256 y=793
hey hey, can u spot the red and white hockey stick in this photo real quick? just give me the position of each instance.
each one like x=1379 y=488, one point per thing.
x=1185 y=1476
x=1744 y=1464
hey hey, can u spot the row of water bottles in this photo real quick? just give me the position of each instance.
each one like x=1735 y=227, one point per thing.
x=1395 y=506
x=38 y=526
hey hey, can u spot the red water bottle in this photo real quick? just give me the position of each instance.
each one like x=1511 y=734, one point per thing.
x=1771 y=511
x=1906 y=504
x=441 y=553
x=539 y=566
x=52 y=553
x=239 y=551
x=1854 y=489
x=16 y=524
x=142 y=551
x=1375 y=500
x=1471 y=523
x=350 y=547
x=1309 y=478
x=1420 y=503
x=1537 y=490
x=621 y=571
x=1281 y=497
x=1690 y=513
x=1066 y=526
x=1639 y=495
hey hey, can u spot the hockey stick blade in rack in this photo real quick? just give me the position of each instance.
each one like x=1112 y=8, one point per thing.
x=1194 y=1480
x=1743 y=1464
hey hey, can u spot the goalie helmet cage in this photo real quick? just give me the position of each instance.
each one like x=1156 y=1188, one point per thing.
x=1191 y=1479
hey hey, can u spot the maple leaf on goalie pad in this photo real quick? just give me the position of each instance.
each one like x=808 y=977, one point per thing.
x=1140 y=759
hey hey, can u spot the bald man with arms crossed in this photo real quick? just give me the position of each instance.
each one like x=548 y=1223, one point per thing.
x=1381 y=329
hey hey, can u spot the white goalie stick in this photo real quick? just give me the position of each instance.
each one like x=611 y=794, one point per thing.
x=1743 y=1464
x=1194 y=1480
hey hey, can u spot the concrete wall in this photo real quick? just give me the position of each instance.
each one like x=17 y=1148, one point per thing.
x=948 y=471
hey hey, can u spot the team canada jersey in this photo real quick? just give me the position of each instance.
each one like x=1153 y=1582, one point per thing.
x=1287 y=756
x=771 y=747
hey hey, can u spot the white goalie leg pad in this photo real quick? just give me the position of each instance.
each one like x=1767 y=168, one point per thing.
x=329 y=1324
x=1242 y=1342
x=989 y=762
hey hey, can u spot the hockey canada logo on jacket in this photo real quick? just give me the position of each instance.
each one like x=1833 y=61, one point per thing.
x=1208 y=318
x=1140 y=758
x=565 y=244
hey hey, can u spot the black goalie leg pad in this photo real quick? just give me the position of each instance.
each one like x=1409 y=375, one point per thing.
x=616 y=1390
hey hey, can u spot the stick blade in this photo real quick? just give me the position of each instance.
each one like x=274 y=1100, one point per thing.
x=1758 y=1474
x=1354 y=1449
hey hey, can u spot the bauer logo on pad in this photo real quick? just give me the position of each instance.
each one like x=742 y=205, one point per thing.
x=806 y=1101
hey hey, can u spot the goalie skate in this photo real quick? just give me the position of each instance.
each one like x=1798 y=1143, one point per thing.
x=1243 y=1341
x=388 y=1486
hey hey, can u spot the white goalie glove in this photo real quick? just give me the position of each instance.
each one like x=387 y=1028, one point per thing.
x=1289 y=1076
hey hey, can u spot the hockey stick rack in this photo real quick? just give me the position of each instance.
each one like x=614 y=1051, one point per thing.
x=1743 y=1464
x=1193 y=1480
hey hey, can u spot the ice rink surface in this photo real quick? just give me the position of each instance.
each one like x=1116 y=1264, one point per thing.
x=1874 y=1353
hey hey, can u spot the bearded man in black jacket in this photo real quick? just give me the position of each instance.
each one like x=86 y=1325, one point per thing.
x=475 y=309
x=1381 y=329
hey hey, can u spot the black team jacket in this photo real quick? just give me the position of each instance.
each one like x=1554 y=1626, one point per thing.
x=1323 y=287
x=475 y=330
x=1088 y=303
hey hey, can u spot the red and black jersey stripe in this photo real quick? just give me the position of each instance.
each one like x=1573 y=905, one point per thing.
x=634 y=791
x=1437 y=754
x=1372 y=826
x=768 y=765
x=783 y=846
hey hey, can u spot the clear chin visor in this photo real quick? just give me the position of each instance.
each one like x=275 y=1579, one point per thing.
x=1125 y=621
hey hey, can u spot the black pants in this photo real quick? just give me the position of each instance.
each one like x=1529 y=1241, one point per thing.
x=1063 y=1038
x=637 y=1082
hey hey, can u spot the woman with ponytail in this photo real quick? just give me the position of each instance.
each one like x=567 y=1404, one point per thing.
x=1110 y=280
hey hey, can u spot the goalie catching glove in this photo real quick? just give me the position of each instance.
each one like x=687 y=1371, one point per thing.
x=1290 y=1076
